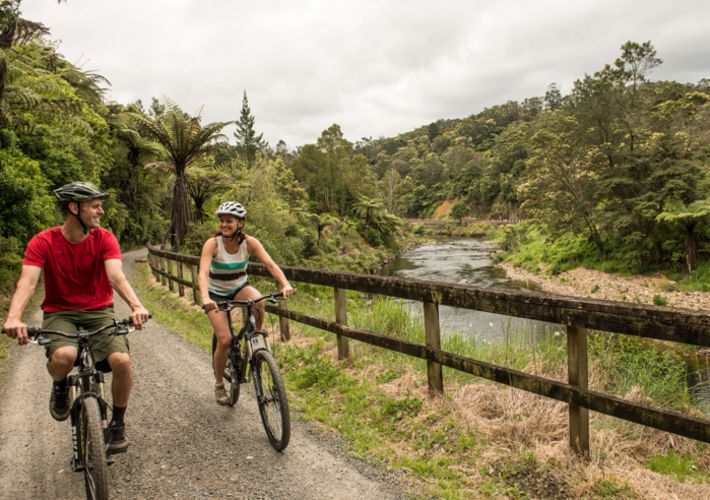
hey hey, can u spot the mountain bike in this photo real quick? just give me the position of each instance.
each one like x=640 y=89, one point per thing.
x=88 y=409
x=256 y=360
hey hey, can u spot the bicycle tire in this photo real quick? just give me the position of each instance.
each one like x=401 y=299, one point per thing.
x=271 y=398
x=231 y=376
x=93 y=450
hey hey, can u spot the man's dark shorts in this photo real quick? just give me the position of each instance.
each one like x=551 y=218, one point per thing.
x=101 y=345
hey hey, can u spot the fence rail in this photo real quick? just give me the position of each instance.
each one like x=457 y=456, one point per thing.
x=577 y=315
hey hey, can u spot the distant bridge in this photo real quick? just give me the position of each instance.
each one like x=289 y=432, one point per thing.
x=441 y=223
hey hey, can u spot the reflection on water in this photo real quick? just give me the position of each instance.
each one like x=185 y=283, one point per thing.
x=699 y=379
x=464 y=262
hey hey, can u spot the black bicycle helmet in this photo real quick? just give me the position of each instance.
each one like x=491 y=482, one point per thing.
x=78 y=191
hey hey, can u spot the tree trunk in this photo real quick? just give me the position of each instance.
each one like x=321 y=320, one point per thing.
x=181 y=210
x=691 y=248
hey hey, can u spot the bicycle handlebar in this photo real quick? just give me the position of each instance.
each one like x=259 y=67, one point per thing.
x=35 y=332
x=228 y=305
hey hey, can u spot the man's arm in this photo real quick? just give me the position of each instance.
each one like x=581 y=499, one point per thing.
x=114 y=271
x=26 y=285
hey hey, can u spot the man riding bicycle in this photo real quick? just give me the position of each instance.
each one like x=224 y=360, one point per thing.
x=82 y=265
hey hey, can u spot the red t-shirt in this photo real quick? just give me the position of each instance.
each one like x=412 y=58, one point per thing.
x=74 y=273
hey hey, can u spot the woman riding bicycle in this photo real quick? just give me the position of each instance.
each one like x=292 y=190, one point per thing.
x=223 y=277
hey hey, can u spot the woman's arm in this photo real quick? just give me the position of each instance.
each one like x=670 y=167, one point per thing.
x=208 y=251
x=255 y=248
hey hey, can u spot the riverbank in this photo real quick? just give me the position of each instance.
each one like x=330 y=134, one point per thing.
x=589 y=283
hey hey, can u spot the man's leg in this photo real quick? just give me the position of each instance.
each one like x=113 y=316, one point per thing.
x=60 y=363
x=122 y=368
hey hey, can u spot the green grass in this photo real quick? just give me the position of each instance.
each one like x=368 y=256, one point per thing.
x=681 y=467
x=625 y=363
x=698 y=282
x=166 y=308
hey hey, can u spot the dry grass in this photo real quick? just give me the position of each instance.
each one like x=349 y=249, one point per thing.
x=515 y=424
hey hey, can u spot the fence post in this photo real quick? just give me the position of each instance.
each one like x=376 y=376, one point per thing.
x=283 y=322
x=171 y=281
x=164 y=269
x=195 y=287
x=151 y=264
x=433 y=340
x=578 y=376
x=341 y=317
x=181 y=287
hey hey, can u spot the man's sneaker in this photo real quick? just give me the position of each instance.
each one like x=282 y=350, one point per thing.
x=117 y=441
x=220 y=395
x=59 y=401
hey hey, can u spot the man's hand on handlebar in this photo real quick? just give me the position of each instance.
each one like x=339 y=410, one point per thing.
x=139 y=315
x=16 y=329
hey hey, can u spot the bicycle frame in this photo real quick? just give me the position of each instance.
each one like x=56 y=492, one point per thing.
x=254 y=339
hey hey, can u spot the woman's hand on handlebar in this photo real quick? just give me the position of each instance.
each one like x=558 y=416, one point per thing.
x=287 y=291
x=16 y=329
x=209 y=305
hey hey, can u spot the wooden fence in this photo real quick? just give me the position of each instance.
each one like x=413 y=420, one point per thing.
x=577 y=315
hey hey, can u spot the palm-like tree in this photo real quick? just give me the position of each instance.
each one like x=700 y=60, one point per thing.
x=13 y=30
x=185 y=142
x=203 y=184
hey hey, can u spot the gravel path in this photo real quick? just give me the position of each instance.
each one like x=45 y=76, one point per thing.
x=182 y=445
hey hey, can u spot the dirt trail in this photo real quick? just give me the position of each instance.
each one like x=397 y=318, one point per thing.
x=182 y=445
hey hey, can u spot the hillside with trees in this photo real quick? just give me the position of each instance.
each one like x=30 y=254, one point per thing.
x=615 y=170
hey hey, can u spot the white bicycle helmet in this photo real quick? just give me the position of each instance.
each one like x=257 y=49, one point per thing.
x=232 y=208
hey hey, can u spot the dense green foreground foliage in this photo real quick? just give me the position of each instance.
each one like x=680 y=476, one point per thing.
x=378 y=401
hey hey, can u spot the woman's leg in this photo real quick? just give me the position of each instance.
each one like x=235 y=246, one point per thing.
x=224 y=337
x=249 y=292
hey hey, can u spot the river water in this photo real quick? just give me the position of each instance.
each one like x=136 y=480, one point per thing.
x=469 y=261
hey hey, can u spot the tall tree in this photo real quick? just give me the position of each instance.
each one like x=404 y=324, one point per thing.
x=248 y=142
x=185 y=142
x=13 y=30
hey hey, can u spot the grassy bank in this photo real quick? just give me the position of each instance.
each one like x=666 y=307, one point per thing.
x=530 y=246
x=480 y=439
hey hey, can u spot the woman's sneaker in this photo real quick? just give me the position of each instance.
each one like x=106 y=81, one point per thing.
x=59 y=400
x=220 y=395
x=117 y=441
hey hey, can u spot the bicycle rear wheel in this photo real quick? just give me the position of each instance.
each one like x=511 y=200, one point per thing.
x=271 y=397
x=93 y=450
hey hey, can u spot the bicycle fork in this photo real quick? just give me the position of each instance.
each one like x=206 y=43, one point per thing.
x=75 y=398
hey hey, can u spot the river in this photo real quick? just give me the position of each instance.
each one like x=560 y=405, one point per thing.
x=469 y=261
x=465 y=261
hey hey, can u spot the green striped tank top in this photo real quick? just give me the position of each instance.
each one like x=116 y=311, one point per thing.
x=228 y=272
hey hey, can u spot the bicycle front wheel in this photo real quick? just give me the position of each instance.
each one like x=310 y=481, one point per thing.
x=271 y=397
x=231 y=376
x=93 y=450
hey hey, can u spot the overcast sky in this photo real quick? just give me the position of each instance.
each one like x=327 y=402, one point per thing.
x=375 y=67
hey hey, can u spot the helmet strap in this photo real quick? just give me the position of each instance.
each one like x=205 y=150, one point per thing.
x=78 y=217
